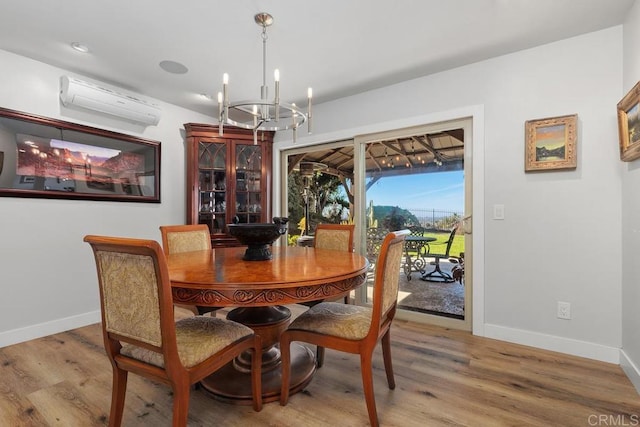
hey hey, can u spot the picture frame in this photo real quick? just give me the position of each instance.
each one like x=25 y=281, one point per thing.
x=50 y=158
x=629 y=125
x=551 y=143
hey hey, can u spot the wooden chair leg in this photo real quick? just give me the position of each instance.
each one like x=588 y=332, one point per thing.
x=386 y=355
x=181 y=394
x=319 y=356
x=366 y=368
x=285 y=362
x=117 y=396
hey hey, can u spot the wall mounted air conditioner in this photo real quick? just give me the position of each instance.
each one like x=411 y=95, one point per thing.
x=92 y=96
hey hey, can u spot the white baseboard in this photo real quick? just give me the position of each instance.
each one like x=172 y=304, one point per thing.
x=40 y=330
x=630 y=369
x=554 y=343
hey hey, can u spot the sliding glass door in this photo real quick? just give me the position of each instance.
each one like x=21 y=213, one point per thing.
x=415 y=178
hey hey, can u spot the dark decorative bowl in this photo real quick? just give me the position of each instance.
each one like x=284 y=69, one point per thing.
x=258 y=237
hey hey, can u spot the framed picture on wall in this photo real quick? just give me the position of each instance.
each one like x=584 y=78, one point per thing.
x=550 y=143
x=50 y=158
x=629 y=125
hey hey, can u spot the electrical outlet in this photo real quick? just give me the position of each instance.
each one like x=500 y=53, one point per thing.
x=564 y=310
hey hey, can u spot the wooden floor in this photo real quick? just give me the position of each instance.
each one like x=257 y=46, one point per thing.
x=444 y=378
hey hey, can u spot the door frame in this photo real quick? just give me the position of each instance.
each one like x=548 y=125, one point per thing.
x=474 y=153
x=360 y=145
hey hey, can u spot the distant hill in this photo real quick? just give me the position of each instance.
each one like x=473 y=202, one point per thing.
x=381 y=212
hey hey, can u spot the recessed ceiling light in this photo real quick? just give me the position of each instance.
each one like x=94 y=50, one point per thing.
x=206 y=96
x=173 y=67
x=80 y=47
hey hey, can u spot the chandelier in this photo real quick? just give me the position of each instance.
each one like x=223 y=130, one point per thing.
x=264 y=114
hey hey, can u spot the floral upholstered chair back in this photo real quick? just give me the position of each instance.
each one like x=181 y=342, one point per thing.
x=185 y=238
x=338 y=237
x=391 y=274
x=129 y=292
x=385 y=293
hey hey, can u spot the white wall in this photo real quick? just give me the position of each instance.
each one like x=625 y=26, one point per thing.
x=47 y=274
x=560 y=239
x=630 y=213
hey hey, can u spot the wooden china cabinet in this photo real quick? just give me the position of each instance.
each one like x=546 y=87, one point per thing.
x=227 y=176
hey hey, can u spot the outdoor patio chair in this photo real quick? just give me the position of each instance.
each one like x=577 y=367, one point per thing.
x=437 y=252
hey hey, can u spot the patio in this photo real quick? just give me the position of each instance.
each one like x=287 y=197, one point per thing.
x=437 y=298
x=430 y=297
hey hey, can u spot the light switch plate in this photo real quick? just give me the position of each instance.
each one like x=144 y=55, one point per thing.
x=498 y=211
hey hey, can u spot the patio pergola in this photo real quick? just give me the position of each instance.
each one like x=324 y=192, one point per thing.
x=416 y=154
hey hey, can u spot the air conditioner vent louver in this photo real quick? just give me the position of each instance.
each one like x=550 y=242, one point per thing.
x=79 y=93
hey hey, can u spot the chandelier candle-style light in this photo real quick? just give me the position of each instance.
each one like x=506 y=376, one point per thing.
x=265 y=114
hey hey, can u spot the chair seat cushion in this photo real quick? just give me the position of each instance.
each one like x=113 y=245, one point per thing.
x=197 y=337
x=347 y=321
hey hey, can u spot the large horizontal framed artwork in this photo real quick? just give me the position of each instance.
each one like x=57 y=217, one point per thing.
x=629 y=125
x=49 y=158
x=550 y=143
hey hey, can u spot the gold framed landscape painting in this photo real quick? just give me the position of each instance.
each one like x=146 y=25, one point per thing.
x=550 y=143
x=629 y=125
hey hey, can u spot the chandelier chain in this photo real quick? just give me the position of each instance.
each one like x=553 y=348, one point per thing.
x=264 y=61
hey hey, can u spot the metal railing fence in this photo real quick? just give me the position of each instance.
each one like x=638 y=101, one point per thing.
x=436 y=218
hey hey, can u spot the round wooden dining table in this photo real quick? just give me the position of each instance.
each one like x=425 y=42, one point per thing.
x=259 y=291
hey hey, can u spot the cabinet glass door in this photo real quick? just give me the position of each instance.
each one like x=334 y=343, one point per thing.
x=212 y=187
x=248 y=183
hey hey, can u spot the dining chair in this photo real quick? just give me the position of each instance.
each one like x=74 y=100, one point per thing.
x=187 y=238
x=140 y=334
x=437 y=253
x=336 y=237
x=351 y=328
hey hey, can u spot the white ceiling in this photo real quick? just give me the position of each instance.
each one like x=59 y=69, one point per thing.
x=339 y=47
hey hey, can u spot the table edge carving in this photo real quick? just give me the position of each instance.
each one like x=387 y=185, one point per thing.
x=265 y=297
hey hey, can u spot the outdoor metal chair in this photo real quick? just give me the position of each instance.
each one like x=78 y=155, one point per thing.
x=437 y=275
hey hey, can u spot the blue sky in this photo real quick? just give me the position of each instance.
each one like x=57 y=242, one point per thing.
x=440 y=191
